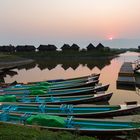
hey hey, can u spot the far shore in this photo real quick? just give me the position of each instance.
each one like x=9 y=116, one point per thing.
x=12 y=60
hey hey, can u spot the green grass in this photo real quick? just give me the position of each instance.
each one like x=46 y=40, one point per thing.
x=7 y=57
x=16 y=132
x=69 y=54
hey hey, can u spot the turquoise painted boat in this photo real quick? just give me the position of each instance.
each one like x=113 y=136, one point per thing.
x=64 y=92
x=62 y=81
x=82 y=126
x=18 y=88
x=68 y=83
x=58 y=100
x=84 y=111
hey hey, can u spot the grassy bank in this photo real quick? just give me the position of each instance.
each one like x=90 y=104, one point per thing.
x=69 y=54
x=15 y=132
x=78 y=55
x=7 y=57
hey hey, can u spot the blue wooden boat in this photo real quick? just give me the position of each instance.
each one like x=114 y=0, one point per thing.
x=80 y=125
x=50 y=87
x=59 y=100
x=69 y=80
x=64 y=92
x=84 y=111
x=57 y=84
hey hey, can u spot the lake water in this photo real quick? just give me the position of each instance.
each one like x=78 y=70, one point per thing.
x=108 y=68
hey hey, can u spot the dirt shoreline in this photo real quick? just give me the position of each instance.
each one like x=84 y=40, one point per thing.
x=13 y=64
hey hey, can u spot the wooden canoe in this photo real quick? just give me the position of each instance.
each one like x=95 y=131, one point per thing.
x=67 y=99
x=61 y=81
x=64 y=92
x=93 y=111
x=56 y=85
x=79 y=125
x=51 y=87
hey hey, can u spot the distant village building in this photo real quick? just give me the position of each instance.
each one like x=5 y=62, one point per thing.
x=90 y=47
x=51 y=47
x=47 y=48
x=100 y=47
x=74 y=47
x=7 y=48
x=25 y=48
x=42 y=48
x=65 y=47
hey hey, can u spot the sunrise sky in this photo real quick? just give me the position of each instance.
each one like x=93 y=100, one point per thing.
x=70 y=21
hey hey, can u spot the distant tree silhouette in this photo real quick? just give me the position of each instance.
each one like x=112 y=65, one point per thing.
x=74 y=47
x=7 y=48
x=90 y=47
x=65 y=47
x=25 y=48
x=48 y=47
x=139 y=47
x=99 y=47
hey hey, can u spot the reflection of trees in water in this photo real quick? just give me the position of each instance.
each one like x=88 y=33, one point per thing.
x=67 y=63
x=27 y=66
x=46 y=64
x=2 y=79
x=8 y=72
x=100 y=63
x=73 y=65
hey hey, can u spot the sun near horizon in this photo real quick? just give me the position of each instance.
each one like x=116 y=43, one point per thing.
x=68 y=21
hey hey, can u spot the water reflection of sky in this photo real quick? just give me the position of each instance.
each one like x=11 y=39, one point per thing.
x=109 y=74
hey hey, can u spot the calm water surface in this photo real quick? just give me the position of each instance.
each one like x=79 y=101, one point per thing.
x=107 y=68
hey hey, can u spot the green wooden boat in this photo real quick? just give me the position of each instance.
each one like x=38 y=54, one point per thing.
x=82 y=126
x=64 y=92
x=58 y=100
x=93 y=111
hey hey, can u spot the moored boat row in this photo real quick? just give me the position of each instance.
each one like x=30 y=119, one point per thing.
x=53 y=105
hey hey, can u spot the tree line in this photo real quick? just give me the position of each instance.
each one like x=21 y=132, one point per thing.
x=50 y=47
